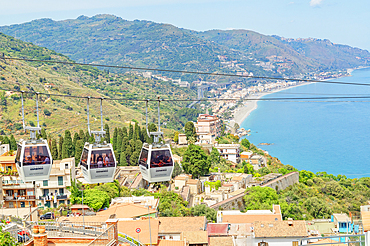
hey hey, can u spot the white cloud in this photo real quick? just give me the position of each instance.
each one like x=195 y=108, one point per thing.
x=315 y=3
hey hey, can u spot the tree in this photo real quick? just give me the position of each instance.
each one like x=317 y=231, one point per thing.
x=190 y=131
x=259 y=198
x=76 y=137
x=43 y=134
x=204 y=210
x=177 y=170
x=13 y=143
x=124 y=131
x=245 y=142
x=87 y=136
x=214 y=157
x=91 y=139
x=54 y=149
x=134 y=158
x=6 y=140
x=81 y=134
x=67 y=148
x=115 y=134
x=96 y=199
x=78 y=150
x=195 y=161
x=248 y=168
x=110 y=188
x=123 y=159
x=176 y=137
x=61 y=140
x=107 y=133
x=131 y=132
x=47 y=112
x=7 y=239
x=119 y=139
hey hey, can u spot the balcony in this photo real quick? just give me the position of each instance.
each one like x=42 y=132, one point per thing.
x=16 y=184
x=49 y=198
x=19 y=198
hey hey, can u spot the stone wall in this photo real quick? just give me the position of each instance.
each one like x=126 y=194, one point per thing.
x=236 y=202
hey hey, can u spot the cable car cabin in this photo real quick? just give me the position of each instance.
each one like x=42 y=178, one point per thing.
x=156 y=163
x=98 y=163
x=33 y=160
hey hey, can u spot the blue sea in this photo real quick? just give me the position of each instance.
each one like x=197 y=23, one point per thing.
x=331 y=135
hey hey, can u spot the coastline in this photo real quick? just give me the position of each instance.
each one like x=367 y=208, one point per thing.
x=242 y=113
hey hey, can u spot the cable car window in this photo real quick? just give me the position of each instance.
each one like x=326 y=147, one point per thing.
x=84 y=156
x=18 y=156
x=36 y=155
x=161 y=158
x=143 y=157
x=102 y=159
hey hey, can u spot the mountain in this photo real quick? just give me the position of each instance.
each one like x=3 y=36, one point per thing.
x=107 y=39
x=60 y=113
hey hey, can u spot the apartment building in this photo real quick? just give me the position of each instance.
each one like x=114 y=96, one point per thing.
x=208 y=128
x=50 y=193
x=229 y=152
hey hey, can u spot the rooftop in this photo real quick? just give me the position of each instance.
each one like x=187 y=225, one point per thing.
x=181 y=224
x=217 y=229
x=129 y=227
x=341 y=217
x=224 y=241
x=280 y=229
x=127 y=210
x=195 y=237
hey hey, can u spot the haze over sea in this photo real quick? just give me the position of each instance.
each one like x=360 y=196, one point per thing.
x=333 y=137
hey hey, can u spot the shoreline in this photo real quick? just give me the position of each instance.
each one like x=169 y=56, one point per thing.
x=243 y=112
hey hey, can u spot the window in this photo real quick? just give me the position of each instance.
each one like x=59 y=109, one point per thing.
x=60 y=180
x=19 y=151
x=66 y=166
x=46 y=192
x=161 y=158
x=45 y=183
x=143 y=157
x=11 y=205
x=23 y=205
x=36 y=155
x=61 y=191
x=84 y=157
x=102 y=159
x=29 y=193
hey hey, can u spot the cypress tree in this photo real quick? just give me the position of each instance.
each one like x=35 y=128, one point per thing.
x=124 y=131
x=78 y=150
x=12 y=143
x=54 y=149
x=119 y=139
x=136 y=132
x=6 y=140
x=124 y=144
x=43 y=134
x=81 y=134
x=67 y=148
x=87 y=136
x=61 y=140
x=91 y=139
x=123 y=159
x=115 y=133
x=76 y=137
x=130 y=132
x=107 y=134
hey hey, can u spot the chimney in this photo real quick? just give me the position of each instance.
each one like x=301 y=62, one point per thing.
x=290 y=221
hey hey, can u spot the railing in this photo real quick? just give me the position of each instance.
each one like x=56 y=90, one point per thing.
x=107 y=238
x=122 y=237
x=19 y=198
x=349 y=240
x=73 y=229
x=50 y=198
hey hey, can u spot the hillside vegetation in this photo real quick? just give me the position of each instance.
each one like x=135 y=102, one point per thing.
x=108 y=39
x=60 y=113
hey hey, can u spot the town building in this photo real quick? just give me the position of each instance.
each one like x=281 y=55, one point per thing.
x=229 y=152
x=237 y=217
x=208 y=128
x=342 y=222
x=148 y=201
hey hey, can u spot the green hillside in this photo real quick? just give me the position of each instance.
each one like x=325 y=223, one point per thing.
x=107 y=39
x=60 y=113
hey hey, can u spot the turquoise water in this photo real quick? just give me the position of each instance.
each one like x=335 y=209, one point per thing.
x=317 y=136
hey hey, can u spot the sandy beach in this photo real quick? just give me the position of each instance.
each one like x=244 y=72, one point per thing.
x=245 y=111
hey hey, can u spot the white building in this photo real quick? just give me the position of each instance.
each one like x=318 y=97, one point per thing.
x=229 y=152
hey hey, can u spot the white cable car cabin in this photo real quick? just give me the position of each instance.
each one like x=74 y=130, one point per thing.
x=98 y=163
x=156 y=163
x=33 y=160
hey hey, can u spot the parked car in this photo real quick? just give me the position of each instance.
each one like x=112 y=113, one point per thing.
x=47 y=216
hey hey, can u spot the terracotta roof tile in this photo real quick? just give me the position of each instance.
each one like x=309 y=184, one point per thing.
x=170 y=243
x=250 y=218
x=129 y=227
x=180 y=224
x=218 y=241
x=280 y=229
x=195 y=237
x=127 y=210
x=217 y=229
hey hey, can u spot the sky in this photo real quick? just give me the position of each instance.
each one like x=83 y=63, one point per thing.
x=340 y=21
